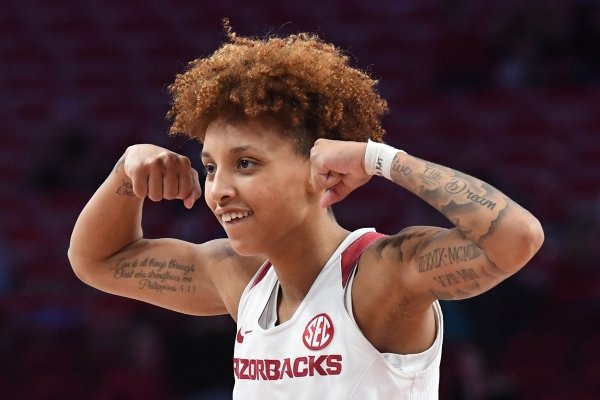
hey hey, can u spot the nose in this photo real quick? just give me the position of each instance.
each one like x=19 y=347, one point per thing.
x=220 y=188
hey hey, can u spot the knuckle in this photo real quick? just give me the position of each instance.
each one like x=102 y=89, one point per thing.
x=186 y=161
x=170 y=158
x=139 y=191
x=154 y=197
x=137 y=176
x=314 y=154
x=156 y=168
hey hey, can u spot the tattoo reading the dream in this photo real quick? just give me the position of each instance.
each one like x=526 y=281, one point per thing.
x=157 y=275
x=459 y=186
x=431 y=176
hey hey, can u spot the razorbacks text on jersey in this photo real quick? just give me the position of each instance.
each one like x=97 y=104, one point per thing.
x=321 y=351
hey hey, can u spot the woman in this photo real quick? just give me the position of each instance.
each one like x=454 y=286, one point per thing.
x=288 y=129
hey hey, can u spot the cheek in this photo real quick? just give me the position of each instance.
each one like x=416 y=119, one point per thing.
x=287 y=199
x=209 y=202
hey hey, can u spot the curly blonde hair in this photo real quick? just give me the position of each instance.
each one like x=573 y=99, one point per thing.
x=302 y=82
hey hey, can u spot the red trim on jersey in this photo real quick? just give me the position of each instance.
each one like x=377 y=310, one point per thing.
x=261 y=274
x=352 y=253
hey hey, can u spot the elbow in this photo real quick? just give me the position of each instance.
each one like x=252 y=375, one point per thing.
x=536 y=236
x=516 y=245
x=77 y=265
x=530 y=238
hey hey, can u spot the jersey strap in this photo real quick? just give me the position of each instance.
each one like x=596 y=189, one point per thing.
x=261 y=273
x=352 y=253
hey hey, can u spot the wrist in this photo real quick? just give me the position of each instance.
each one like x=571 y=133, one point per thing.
x=378 y=159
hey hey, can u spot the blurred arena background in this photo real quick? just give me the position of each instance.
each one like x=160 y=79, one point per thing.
x=504 y=90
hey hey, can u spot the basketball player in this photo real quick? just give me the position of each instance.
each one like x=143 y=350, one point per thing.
x=288 y=129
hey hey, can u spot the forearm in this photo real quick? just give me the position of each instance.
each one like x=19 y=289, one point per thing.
x=507 y=233
x=110 y=221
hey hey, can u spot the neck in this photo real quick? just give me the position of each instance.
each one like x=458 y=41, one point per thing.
x=300 y=257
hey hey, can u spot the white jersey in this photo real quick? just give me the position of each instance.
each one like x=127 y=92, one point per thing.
x=320 y=353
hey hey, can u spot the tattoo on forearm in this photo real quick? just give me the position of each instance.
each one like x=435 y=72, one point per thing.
x=458 y=186
x=119 y=164
x=157 y=275
x=401 y=169
x=431 y=176
x=448 y=256
x=126 y=189
x=475 y=198
x=455 y=186
x=494 y=223
x=460 y=197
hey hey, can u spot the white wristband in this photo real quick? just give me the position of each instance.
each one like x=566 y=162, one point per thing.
x=379 y=157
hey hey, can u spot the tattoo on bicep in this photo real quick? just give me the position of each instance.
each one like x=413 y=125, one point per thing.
x=157 y=275
x=487 y=274
x=439 y=257
x=442 y=295
x=126 y=189
x=433 y=259
x=458 y=277
x=493 y=265
x=397 y=241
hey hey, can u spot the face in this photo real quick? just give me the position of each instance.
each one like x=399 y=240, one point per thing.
x=257 y=186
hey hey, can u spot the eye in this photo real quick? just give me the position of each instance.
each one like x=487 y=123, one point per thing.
x=245 y=164
x=210 y=169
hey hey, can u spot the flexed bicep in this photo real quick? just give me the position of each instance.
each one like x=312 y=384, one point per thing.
x=205 y=279
x=436 y=263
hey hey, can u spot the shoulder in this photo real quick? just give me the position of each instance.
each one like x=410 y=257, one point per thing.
x=390 y=316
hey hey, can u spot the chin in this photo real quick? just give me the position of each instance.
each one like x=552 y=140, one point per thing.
x=245 y=247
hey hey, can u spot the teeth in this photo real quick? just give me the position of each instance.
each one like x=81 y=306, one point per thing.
x=235 y=215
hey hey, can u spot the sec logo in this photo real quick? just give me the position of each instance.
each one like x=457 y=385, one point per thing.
x=318 y=332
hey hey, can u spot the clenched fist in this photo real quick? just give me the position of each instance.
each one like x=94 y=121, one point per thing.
x=338 y=167
x=158 y=174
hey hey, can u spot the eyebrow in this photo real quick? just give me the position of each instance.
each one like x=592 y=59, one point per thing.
x=234 y=150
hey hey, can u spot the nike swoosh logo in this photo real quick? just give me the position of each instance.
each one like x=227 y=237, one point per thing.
x=239 y=337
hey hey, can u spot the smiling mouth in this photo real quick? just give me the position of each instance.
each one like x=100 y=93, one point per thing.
x=235 y=216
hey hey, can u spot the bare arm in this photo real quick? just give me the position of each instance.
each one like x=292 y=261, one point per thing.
x=108 y=250
x=400 y=276
x=494 y=237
